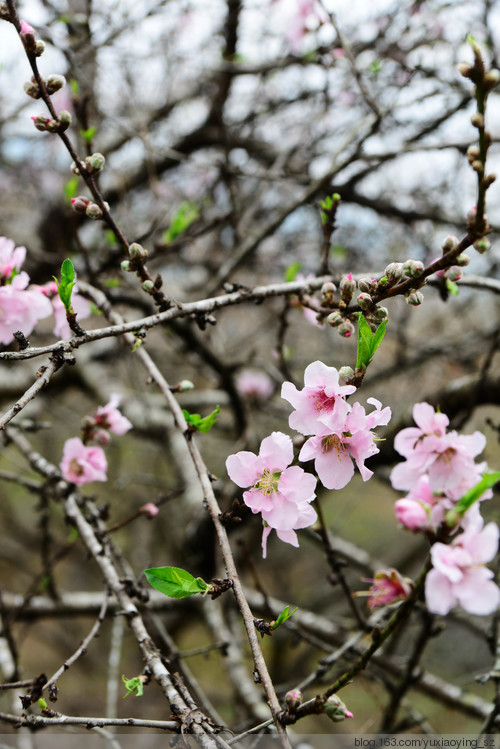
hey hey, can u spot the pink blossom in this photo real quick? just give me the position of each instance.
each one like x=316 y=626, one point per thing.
x=388 y=587
x=459 y=575
x=320 y=406
x=81 y=464
x=257 y=385
x=280 y=492
x=333 y=452
x=447 y=458
x=20 y=308
x=422 y=509
x=11 y=257
x=110 y=418
x=26 y=28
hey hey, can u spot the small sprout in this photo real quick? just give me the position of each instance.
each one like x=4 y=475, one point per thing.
x=482 y=245
x=202 y=424
x=134 y=685
x=65 y=286
x=185 y=385
x=283 y=617
x=175 y=582
x=148 y=286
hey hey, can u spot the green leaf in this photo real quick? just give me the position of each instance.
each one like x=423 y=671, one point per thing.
x=188 y=213
x=175 y=582
x=112 y=283
x=452 y=287
x=42 y=704
x=487 y=482
x=88 y=134
x=338 y=250
x=137 y=344
x=368 y=342
x=65 y=286
x=375 y=67
x=285 y=614
x=74 y=85
x=70 y=189
x=110 y=237
x=292 y=271
x=202 y=424
x=133 y=685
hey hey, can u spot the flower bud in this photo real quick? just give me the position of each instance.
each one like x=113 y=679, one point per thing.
x=389 y=586
x=80 y=203
x=335 y=709
x=32 y=89
x=491 y=79
x=185 y=385
x=381 y=313
x=4 y=12
x=64 y=118
x=41 y=121
x=93 y=211
x=75 y=169
x=346 y=373
x=346 y=329
x=293 y=699
x=477 y=165
x=149 y=510
x=394 y=272
x=471 y=216
x=454 y=273
x=137 y=251
x=472 y=154
x=462 y=260
x=55 y=83
x=27 y=34
x=125 y=265
x=413 y=268
x=482 y=245
x=327 y=291
x=347 y=288
x=477 y=120
x=148 y=286
x=39 y=48
x=369 y=285
x=95 y=162
x=334 y=319
x=365 y=301
x=488 y=180
x=415 y=298
x=450 y=243
x=464 y=69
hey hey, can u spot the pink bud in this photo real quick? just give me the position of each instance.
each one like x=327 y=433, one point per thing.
x=149 y=510
x=26 y=28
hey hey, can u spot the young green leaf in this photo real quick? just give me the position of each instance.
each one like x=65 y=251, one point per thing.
x=487 y=482
x=285 y=614
x=133 y=685
x=185 y=216
x=452 y=287
x=70 y=189
x=175 y=582
x=65 y=286
x=292 y=271
x=202 y=424
x=88 y=134
x=368 y=342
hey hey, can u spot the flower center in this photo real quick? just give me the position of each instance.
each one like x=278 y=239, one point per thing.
x=75 y=467
x=332 y=442
x=323 y=402
x=268 y=483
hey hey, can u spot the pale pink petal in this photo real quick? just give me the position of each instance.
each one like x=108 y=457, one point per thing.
x=439 y=595
x=244 y=468
x=477 y=593
x=282 y=515
x=276 y=452
x=297 y=485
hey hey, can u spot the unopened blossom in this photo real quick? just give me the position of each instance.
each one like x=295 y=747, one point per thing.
x=20 y=308
x=336 y=709
x=280 y=492
x=334 y=451
x=458 y=574
x=320 y=406
x=446 y=457
x=81 y=464
x=422 y=509
x=149 y=510
x=388 y=587
x=255 y=385
x=110 y=418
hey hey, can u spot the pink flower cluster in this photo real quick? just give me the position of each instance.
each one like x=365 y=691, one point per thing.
x=21 y=308
x=438 y=469
x=81 y=463
x=340 y=434
x=280 y=492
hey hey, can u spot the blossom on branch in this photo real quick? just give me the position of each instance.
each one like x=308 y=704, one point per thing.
x=280 y=492
x=20 y=308
x=110 y=418
x=81 y=464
